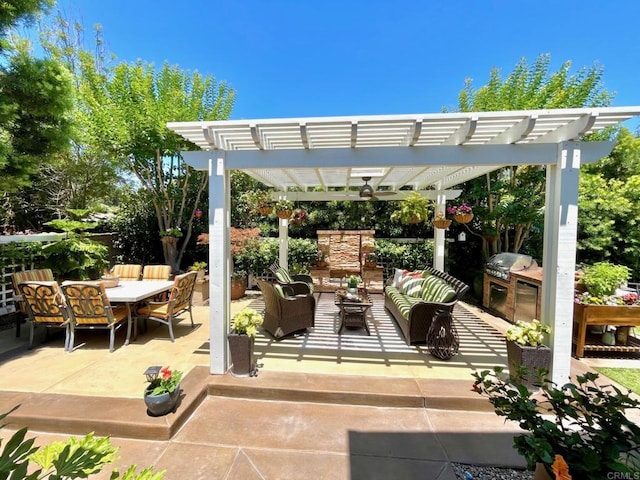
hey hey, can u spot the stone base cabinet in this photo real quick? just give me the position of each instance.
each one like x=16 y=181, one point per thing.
x=531 y=358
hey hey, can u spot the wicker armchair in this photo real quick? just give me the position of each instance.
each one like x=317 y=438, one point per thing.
x=300 y=284
x=285 y=312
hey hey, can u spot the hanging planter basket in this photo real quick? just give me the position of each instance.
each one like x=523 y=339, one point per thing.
x=266 y=210
x=441 y=223
x=463 y=217
x=414 y=220
x=284 y=214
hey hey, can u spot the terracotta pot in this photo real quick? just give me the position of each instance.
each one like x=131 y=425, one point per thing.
x=161 y=404
x=241 y=352
x=541 y=472
x=238 y=288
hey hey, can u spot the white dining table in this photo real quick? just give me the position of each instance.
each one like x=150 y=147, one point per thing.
x=131 y=292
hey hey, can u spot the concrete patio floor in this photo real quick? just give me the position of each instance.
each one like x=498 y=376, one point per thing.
x=322 y=406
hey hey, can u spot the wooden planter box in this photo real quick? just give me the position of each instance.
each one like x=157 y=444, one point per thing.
x=585 y=316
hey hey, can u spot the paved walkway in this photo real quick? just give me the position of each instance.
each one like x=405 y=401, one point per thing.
x=322 y=406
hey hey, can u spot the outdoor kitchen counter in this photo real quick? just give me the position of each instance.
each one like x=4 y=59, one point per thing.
x=533 y=275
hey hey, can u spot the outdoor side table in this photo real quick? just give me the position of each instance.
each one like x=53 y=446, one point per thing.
x=353 y=313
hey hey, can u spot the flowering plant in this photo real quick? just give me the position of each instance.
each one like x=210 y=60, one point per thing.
x=528 y=333
x=589 y=299
x=166 y=382
x=246 y=322
x=299 y=216
x=457 y=210
x=439 y=216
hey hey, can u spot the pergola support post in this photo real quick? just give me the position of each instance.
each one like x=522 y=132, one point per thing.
x=283 y=243
x=220 y=264
x=438 y=233
x=559 y=255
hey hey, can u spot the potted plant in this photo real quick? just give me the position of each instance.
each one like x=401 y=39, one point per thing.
x=171 y=235
x=352 y=283
x=163 y=391
x=603 y=278
x=263 y=202
x=321 y=259
x=199 y=267
x=439 y=221
x=414 y=208
x=370 y=260
x=584 y=423
x=284 y=209
x=241 y=340
x=461 y=213
x=110 y=279
x=298 y=217
x=238 y=284
x=525 y=349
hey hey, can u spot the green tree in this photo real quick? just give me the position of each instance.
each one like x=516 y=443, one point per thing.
x=609 y=206
x=129 y=107
x=35 y=98
x=509 y=202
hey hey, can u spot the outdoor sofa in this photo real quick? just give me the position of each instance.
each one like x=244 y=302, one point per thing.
x=413 y=299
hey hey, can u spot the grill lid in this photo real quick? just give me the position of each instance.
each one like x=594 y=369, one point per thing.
x=508 y=261
x=502 y=264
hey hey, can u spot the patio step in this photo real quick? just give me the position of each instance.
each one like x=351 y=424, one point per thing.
x=352 y=390
x=127 y=417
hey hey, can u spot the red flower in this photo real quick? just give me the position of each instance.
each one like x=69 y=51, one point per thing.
x=166 y=373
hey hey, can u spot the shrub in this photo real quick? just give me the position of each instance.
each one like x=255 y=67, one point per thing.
x=583 y=422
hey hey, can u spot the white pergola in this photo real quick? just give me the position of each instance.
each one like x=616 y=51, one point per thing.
x=431 y=153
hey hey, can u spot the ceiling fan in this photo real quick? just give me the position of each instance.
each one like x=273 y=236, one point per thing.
x=367 y=191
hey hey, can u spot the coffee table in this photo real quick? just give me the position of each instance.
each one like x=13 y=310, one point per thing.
x=353 y=312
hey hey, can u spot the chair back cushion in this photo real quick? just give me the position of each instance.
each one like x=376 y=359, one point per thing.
x=44 y=301
x=182 y=290
x=88 y=302
x=128 y=272
x=37 y=275
x=156 y=272
x=283 y=276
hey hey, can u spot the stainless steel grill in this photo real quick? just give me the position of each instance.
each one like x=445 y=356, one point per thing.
x=501 y=265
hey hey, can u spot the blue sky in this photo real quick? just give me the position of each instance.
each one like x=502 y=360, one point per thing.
x=300 y=58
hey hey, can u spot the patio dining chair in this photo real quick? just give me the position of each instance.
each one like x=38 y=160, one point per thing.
x=46 y=306
x=301 y=284
x=89 y=308
x=156 y=272
x=130 y=272
x=36 y=275
x=179 y=301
